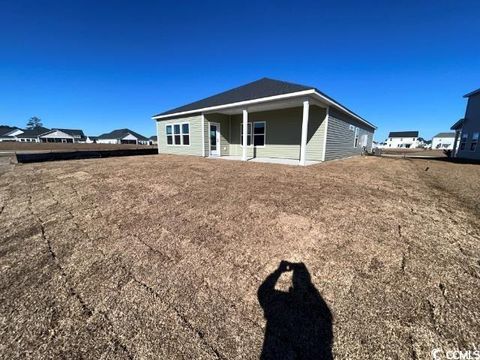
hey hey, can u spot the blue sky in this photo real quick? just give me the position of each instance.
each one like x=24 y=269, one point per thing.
x=100 y=65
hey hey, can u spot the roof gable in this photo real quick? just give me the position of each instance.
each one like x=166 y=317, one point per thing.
x=402 y=134
x=33 y=133
x=120 y=134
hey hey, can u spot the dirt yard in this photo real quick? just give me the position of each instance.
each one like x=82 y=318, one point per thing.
x=42 y=147
x=180 y=257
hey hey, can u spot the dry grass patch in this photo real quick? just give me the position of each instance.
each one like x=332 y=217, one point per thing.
x=163 y=256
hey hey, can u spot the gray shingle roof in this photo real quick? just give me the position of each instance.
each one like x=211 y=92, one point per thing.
x=33 y=133
x=475 y=92
x=262 y=88
x=457 y=125
x=5 y=129
x=445 y=135
x=120 y=134
x=402 y=134
x=71 y=132
x=257 y=89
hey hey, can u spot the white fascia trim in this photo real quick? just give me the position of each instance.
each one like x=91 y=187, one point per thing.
x=203 y=135
x=266 y=99
x=325 y=134
x=331 y=102
x=240 y=103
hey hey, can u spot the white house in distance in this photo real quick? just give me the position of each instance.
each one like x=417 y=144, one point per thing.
x=9 y=133
x=443 y=141
x=122 y=136
x=62 y=136
x=403 y=139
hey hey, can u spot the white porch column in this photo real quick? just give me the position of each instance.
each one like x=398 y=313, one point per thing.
x=303 y=144
x=245 y=134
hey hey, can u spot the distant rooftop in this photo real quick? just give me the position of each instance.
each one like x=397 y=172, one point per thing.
x=445 y=135
x=403 y=134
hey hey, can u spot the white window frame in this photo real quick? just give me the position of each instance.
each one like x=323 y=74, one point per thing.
x=356 y=136
x=264 y=134
x=181 y=134
x=251 y=125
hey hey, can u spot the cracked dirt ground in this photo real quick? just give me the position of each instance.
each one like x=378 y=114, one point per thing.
x=162 y=256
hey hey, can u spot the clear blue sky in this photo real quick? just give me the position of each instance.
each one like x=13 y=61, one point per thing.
x=100 y=65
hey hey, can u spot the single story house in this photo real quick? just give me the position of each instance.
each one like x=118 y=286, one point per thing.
x=467 y=130
x=9 y=133
x=91 y=139
x=443 y=141
x=62 y=136
x=265 y=119
x=153 y=140
x=32 y=135
x=122 y=136
x=403 y=139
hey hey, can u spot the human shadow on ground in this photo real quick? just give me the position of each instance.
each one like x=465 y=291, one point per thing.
x=299 y=322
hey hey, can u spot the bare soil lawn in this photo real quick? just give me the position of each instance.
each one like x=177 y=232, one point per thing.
x=175 y=257
x=42 y=147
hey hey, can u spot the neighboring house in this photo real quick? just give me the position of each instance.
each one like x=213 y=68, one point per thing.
x=266 y=119
x=91 y=139
x=467 y=130
x=122 y=136
x=443 y=141
x=62 y=136
x=403 y=139
x=153 y=140
x=9 y=133
x=32 y=135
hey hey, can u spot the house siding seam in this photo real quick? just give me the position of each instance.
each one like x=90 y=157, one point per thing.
x=195 y=147
x=340 y=138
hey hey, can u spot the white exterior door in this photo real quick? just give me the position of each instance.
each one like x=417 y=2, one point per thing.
x=214 y=139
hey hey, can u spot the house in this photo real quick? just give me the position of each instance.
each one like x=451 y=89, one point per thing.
x=153 y=140
x=9 y=133
x=32 y=135
x=62 y=136
x=403 y=139
x=443 y=141
x=91 y=139
x=467 y=130
x=265 y=119
x=122 y=136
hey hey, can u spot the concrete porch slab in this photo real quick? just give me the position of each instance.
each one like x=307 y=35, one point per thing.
x=266 y=160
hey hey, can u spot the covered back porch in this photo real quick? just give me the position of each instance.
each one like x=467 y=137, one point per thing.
x=289 y=131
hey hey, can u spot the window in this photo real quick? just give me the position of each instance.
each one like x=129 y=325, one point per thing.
x=355 y=141
x=473 y=145
x=463 y=142
x=249 y=134
x=259 y=133
x=168 y=131
x=178 y=134
x=186 y=134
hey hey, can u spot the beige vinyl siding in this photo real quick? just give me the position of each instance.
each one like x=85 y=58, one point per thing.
x=340 y=139
x=224 y=121
x=195 y=147
x=283 y=133
x=316 y=134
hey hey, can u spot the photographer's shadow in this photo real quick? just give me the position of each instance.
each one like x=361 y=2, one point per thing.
x=299 y=322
